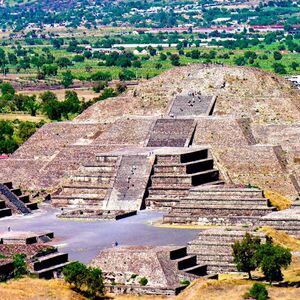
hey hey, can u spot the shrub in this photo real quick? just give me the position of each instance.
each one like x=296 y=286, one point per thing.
x=143 y=281
x=185 y=282
x=20 y=266
x=258 y=291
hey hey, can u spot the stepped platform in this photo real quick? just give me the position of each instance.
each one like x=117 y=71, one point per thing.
x=42 y=259
x=213 y=247
x=164 y=267
x=26 y=238
x=287 y=220
x=220 y=206
x=90 y=185
x=176 y=172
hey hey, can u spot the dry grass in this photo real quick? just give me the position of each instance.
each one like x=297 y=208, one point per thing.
x=84 y=94
x=23 y=117
x=277 y=200
x=28 y=288
x=281 y=238
x=231 y=289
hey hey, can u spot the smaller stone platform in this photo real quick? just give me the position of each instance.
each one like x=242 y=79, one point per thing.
x=20 y=237
x=99 y=214
x=164 y=268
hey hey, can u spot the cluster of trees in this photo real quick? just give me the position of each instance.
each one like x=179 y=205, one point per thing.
x=15 y=133
x=250 y=254
x=85 y=280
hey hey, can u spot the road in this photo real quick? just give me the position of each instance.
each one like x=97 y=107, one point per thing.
x=83 y=239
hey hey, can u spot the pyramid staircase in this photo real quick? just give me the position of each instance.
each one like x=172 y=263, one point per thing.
x=213 y=247
x=48 y=264
x=220 y=205
x=12 y=201
x=90 y=186
x=175 y=174
x=187 y=263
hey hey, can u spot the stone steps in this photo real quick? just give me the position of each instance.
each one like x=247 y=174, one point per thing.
x=217 y=202
x=188 y=263
x=175 y=174
x=214 y=193
x=184 y=168
x=107 y=158
x=76 y=190
x=99 y=179
x=221 y=210
x=211 y=219
x=196 y=155
x=15 y=201
x=213 y=247
x=48 y=273
x=190 y=179
x=47 y=261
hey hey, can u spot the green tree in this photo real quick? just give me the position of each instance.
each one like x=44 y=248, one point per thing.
x=175 y=60
x=126 y=75
x=50 y=70
x=244 y=254
x=104 y=76
x=7 y=89
x=271 y=259
x=48 y=96
x=162 y=56
x=294 y=65
x=75 y=274
x=277 y=55
x=85 y=280
x=279 y=68
x=67 y=80
x=26 y=130
x=94 y=283
x=20 y=266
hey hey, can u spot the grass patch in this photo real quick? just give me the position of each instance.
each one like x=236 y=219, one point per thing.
x=277 y=200
x=281 y=238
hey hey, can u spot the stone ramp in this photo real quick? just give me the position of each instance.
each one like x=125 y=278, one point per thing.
x=131 y=183
x=171 y=133
x=192 y=105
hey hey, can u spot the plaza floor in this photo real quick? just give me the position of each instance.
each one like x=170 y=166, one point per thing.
x=83 y=239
